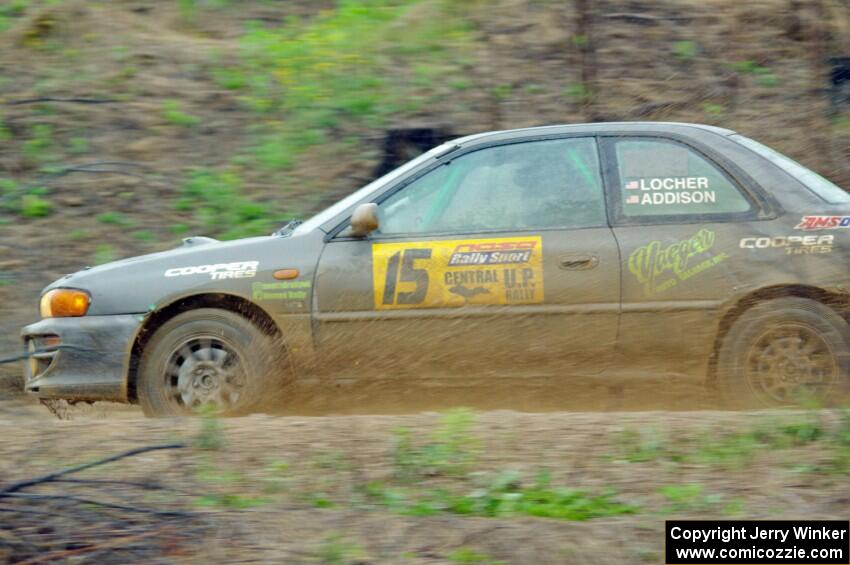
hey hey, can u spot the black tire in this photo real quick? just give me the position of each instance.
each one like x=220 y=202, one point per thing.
x=209 y=356
x=782 y=352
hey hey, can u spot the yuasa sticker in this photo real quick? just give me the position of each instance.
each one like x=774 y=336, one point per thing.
x=659 y=268
x=454 y=273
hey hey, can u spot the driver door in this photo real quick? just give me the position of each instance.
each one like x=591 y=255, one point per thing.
x=498 y=259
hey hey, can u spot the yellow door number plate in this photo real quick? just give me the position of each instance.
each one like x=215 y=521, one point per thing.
x=454 y=273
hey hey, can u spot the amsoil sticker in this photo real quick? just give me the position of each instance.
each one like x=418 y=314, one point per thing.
x=454 y=273
x=668 y=190
x=660 y=268
x=809 y=223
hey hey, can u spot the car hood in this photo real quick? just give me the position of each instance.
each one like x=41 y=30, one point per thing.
x=139 y=284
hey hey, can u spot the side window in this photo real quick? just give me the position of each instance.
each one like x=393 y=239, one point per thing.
x=663 y=178
x=532 y=185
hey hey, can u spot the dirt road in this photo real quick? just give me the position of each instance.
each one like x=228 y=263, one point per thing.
x=423 y=488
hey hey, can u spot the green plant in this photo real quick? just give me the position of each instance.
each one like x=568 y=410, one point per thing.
x=467 y=555
x=173 y=113
x=341 y=67
x=144 y=236
x=639 y=447
x=685 y=49
x=210 y=436
x=215 y=199
x=103 y=254
x=113 y=218
x=451 y=451
x=78 y=145
x=500 y=494
x=37 y=148
x=229 y=501
x=33 y=206
x=338 y=551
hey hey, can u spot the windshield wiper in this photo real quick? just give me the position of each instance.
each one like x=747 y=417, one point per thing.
x=287 y=229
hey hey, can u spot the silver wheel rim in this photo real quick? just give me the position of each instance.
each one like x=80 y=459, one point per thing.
x=205 y=371
x=789 y=362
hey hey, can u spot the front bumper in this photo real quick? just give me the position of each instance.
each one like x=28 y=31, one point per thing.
x=90 y=360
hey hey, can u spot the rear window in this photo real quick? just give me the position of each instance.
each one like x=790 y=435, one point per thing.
x=826 y=190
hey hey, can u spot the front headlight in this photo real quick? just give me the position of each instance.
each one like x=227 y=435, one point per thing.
x=65 y=303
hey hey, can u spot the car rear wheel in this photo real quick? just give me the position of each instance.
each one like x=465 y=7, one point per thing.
x=783 y=352
x=208 y=357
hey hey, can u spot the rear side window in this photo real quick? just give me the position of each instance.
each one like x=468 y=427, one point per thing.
x=664 y=178
x=820 y=186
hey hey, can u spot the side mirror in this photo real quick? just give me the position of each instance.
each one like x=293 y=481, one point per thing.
x=364 y=220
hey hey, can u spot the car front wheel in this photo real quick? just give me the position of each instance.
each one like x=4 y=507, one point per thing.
x=783 y=352
x=208 y=357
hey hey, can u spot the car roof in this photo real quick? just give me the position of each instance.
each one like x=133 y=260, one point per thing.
x=597 y=127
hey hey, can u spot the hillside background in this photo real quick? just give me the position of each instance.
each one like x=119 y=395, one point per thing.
x=126 y=125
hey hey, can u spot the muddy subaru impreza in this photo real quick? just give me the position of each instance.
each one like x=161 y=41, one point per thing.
x=601 y=251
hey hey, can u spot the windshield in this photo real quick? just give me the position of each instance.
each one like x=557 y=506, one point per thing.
x=813 y=181
x=340 y=207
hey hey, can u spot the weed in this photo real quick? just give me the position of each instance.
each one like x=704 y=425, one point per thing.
x=466 y=555
x=210 y=437
x=173 y=113
x=229 y=501
x=78 y=145
x=687 y=498
x=500 y=494
x=451 y=451
x=113 y=218
x=638 y=449
x=577 y=92
x=144 y=236
x=685 y=49
x=33 y=206
x=337 y=551
x=216 y=200
x=103 y=253
x=840 y=440
x=307 y=77
x=714 y=109
x=37 y=148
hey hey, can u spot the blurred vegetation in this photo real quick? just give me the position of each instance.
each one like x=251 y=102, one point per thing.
x=274 y=109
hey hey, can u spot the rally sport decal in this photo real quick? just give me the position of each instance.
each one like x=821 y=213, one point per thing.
x=453 y=273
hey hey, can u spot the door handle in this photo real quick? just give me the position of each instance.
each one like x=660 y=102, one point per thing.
x=578 y=262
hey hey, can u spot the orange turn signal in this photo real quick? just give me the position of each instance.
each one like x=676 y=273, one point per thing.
x=285 y=274
x=65 y=303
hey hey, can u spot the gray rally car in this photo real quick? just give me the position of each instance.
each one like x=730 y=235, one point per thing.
x=576 y=251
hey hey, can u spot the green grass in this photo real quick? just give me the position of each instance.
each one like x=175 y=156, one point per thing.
x=103 y=253
x=173 y=113
x=685 y=49
x=215 y=201
x=451 y=451
x=33 y=206
x=500 y=495
x=113 y=218
x=38 y=147
x=340 y=68
x=466 y=555
x=732 y=450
